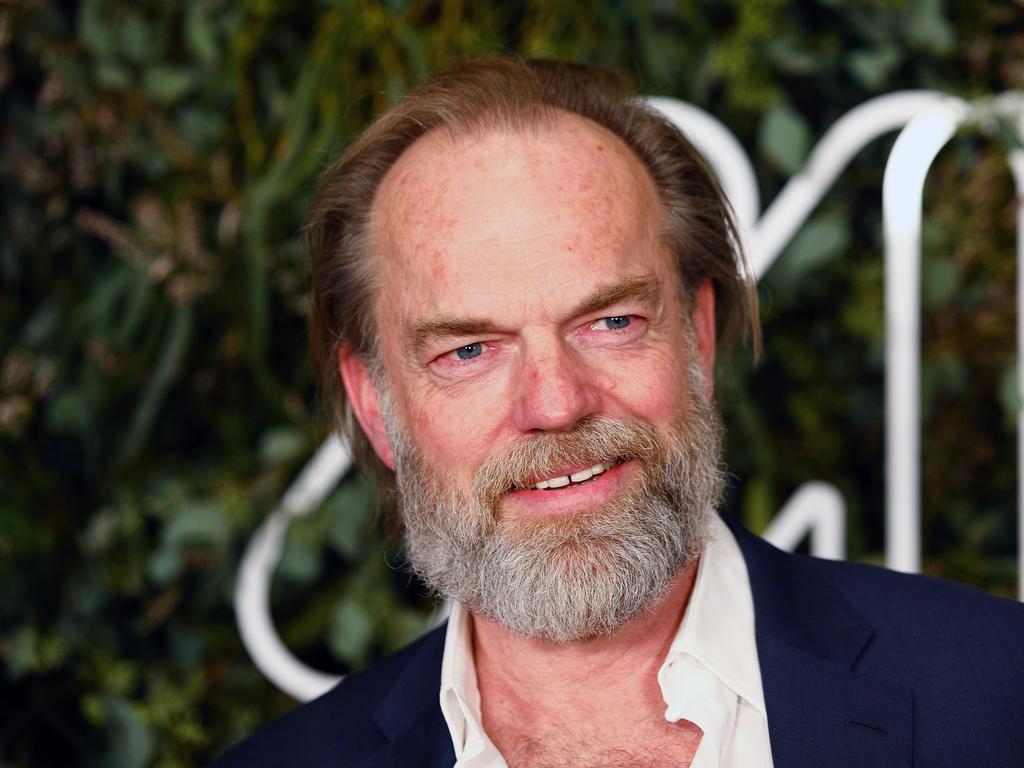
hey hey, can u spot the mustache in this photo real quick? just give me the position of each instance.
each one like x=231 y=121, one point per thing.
x=596 y=438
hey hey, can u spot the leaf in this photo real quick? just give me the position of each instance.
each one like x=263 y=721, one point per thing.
x=199 y=33
x=197 y=523
x=172 y=356
x=42 y=325
x=759 y=506
x=113 y=76
x=348 y=517
x=138 y=38
x=300 y=562
x=164 y=565
x=70 y=411
x=872 y=68
x=130 y=740
x=942 y=377
x=784 y=138
x=940 y=280
x=350 y=631
x=168 y=84
x=95 y=30
x=821 y=241
x=281 y=445
x=928 y=27
x=21 y=651
x=790 y=55
x=132 y=314
x=202 y=129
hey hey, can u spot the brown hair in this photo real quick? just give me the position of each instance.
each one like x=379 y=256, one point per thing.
x=507 y=92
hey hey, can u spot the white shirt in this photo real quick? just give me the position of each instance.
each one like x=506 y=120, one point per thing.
x=710 y=675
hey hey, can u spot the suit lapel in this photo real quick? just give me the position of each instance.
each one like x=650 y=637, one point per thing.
x=410 y=715
x=821 y=712
x=425 y=741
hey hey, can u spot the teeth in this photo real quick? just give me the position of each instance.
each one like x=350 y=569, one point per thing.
x=583 y=474
x=575 y=477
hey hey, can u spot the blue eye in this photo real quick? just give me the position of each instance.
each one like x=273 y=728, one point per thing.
x=616 y=323
x=469 y=351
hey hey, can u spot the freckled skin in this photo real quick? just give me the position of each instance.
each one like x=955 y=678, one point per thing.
x=518 y=228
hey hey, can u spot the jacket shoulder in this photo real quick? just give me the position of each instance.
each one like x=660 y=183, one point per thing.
x=934 y=636
x=929 y=624
x=922 y=601
x=338 y=728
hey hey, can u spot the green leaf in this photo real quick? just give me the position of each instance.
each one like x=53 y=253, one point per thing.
x=942 y=377
x=350 y=631
x=940 y=280
x=168 y=84
x=348 y=517
x=197 y=523
x=130 y=739
x=95 y=29
x=172 y=356
x=70 y=411
x=199 y=33
x=113 y=76
x=790 y=55
x=300 y=561
x=202 y=129
x=928 y=27
x=281 y=445
x=21 y=652
x=872 y=68
x=42 y=325
x=138 y=38
x=164 y=565
x=784 y=138
x=821 y=241
x=758 y=504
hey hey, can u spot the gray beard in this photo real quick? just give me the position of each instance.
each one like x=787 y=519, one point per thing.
x=571 y=577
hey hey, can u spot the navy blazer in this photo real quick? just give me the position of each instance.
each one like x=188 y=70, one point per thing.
x=860 y=666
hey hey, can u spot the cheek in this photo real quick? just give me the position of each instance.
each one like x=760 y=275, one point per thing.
x=653 y=392
x=455 y=436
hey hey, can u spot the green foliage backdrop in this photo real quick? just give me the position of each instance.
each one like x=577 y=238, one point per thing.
x=155 y=391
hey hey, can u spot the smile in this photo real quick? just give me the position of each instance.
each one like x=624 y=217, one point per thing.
x=576 y=478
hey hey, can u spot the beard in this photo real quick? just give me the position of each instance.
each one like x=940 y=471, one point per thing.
x=573 y=576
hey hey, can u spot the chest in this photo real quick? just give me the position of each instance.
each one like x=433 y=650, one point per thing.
x=586 y=745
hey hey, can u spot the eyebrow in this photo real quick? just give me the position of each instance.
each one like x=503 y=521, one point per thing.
x=645 y=288
x=423 y=333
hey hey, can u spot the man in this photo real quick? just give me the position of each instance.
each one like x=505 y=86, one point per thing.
x=521 y=276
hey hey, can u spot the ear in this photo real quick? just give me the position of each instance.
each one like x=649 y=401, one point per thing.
x=703 y=319
x=365 y=401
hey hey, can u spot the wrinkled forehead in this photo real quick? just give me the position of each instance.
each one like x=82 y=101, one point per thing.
x=448 y=189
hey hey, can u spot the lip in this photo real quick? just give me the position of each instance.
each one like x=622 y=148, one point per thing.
x=572 y=498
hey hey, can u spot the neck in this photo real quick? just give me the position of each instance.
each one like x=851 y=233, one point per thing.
x=600 y=678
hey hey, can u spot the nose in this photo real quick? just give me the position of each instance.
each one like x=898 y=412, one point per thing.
x=554 y=389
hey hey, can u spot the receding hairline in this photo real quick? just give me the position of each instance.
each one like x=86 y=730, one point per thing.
x=642 y=188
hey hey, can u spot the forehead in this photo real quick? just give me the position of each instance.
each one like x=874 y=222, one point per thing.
x=508 y=205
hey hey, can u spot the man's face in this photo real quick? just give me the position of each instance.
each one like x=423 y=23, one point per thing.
x=526 y=304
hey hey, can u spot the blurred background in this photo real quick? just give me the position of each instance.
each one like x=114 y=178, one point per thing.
x=156 y=395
